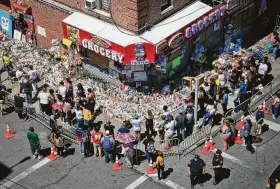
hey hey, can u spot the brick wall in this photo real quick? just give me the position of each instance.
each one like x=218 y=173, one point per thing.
x=48 y=18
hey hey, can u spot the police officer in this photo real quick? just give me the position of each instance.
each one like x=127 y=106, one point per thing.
x=217 y=164
x=196 y=168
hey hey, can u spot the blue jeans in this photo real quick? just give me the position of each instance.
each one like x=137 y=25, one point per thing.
x=183 y=133
x=149 y=156
x=81 y=147
x=108 y=156
x=275 y=111
x=28 y=98
x=80 y=123
x=274 y=51
x=208 y=117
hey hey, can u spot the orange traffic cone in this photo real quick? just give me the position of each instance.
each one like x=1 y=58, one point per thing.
x=238 y=139
x=9 y=133
x=206 y=149
x=211 y=144
x=241 y=123
x=151 y=170
x=53 y=155
x=265 y=111
x=116 y=166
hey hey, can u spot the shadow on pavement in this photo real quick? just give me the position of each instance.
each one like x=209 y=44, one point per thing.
x=4 y=171
x=22 y=161
x=206 y=177
x=225 y=174
x=168 y=172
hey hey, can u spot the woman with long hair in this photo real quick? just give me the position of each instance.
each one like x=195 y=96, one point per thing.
x=226 y=134
x=149 y=122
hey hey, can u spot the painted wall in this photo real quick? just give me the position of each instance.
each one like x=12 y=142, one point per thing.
x=6 y=22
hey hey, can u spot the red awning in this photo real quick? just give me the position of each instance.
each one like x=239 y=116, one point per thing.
x=22 y=8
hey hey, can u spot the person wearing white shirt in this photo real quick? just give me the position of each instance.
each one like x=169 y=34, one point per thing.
x=262 y=69
x=62 y=89
x=136 y=124
x=44 y=99
x=32 y=73
x=169 y=131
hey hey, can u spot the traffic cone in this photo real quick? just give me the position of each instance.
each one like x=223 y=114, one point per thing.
x=53 y=155
x=265 y=111
x=9 y=133
x=151 y=170
x=206 y=149
x=116 y=166
x=211 y=144
x=238 y=139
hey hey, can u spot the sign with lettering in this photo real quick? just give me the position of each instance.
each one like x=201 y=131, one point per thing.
x=161 y=47
x=100 y=42
x=88 y=44
x=140 y=52
x=205 y=21
x=176 y=40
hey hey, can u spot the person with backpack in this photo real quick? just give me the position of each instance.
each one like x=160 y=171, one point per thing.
x=96 y=140
x=108 y=143
x=196 y=167
x=87 y=143
x=246 y=133
x=79 y=134
x=259 y=119
x=151 y=150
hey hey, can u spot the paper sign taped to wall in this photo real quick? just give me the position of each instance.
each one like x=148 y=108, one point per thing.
x=17 y=35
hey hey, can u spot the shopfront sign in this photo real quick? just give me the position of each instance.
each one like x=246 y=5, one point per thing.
x=161 y=47
x=204 y=22
x=88 y=44
x=176 y=40
x=140 y=55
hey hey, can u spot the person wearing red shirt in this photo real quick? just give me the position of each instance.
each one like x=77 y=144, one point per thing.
x=96 y=140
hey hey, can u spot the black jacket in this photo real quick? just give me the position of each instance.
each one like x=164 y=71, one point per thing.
x=217 y=160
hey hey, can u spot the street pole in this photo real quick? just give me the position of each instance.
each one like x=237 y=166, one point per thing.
x=195 y=129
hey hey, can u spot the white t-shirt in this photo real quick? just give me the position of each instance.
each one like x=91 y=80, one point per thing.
x=136 y=123
x=222 y=79
x=19 y=74
x=32 y=74
x=262 y=68
x=170 y=126
x=62 y=91
x=44 y=97
x=79 y=114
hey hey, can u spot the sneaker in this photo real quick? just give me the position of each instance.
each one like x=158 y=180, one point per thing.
x=273 y=117
x=40 y=157
x=34 y=156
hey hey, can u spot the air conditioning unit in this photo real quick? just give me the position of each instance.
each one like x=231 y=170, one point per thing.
x=90 y=4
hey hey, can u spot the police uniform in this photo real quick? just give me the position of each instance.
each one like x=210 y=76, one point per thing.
x=196 y=167
x=217 y=161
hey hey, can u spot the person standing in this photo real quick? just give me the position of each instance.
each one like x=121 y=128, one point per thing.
x=18 y=100
x=28 y=90
x=275 y=46
x=59 y=144
x=160 y=165
x=96 y=140
x=226 y=135
x=217 y=164
x=136 y=123
x=62 y=89
x=149 y=123
x=151 y=150
x=44 y=98
x=196 y=168
x=108 y=143
x=259 y=119
x=275 y=106
x=108 y=126
x=181 y=125
x=34 y=143
x=224 y=101
x=246 y=133
x=79 y=134
x=87 y=143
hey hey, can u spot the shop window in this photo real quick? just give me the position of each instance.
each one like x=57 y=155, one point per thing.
x=6 y=3
x=168 y=5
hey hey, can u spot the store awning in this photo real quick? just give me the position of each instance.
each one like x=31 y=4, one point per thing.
x=102 y=29
x=174 y=23
x=22 y=8
x=67 y=42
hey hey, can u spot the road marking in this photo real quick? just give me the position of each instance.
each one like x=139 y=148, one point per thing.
x=272 y=125
x=24 y=174
x=137 y=182
x=234 y=159
x=172 y=184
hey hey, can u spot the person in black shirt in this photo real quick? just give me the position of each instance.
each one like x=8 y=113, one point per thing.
x=18 y=100
x=217 y=164
x=28 y=90
x=196 y=168
x=109 y=127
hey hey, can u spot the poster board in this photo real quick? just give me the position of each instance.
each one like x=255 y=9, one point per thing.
x=17 y=35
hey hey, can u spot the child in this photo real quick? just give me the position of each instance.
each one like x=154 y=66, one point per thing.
x=160 y=165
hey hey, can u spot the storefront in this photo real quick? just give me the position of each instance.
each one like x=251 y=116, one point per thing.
x=23 y=23
x=185 y=37
x=107 y=48
x=240 y=19
x=6 y=23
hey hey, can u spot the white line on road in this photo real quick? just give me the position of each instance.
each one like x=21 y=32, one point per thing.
x=137 y=182
x=172 y=184
x=25 y=173
x=272 y=125
x=234 y=159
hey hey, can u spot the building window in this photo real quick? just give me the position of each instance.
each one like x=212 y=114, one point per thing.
x=166 y=6
x=104 y=5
